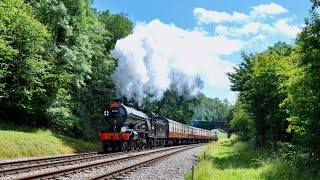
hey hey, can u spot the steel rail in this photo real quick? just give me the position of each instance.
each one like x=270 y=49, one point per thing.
x=54 y=174
x=43 y=159
x=14 y=170
x=135 y=166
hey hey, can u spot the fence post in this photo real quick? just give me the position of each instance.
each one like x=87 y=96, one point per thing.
x=192 y=172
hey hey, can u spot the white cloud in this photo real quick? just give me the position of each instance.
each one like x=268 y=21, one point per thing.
x=262 y=20
x=247 y=29
x=206 y=17
x=250 y=28
x=259 y=38
x=158 y=55
x=271 y=8
x=283 y=27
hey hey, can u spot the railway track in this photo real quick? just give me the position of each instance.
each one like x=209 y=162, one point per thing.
x=47 y=159
x=127 y=169
x=16 y=167
x=98 y=164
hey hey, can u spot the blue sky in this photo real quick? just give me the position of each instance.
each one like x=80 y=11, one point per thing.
x=199 y=38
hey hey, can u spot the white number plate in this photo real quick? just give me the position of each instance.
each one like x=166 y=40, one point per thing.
x=115 y=110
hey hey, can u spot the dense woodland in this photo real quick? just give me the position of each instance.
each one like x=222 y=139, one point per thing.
x=279 y=95
x=56 y=65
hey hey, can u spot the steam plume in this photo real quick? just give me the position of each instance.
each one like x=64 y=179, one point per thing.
x=159 y=56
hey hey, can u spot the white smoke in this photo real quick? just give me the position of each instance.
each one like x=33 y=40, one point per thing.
x=158 y=56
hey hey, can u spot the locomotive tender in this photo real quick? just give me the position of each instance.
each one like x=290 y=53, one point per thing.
x=139 y=129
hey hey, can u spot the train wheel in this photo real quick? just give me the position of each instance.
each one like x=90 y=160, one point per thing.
x=130 y=145
x=143 y=145
x=134 y=145
x=105 y=147
x=113 y=146
x=149 y=143
x=123 y=146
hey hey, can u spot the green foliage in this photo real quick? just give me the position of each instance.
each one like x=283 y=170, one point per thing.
x=211 y=109
x=173 y=106
x=303 y=89
x=21 y=141
x=6 y=54
x=279 y=88
x=62 y=120
x=260 y=81
x=242 y=120
x=25 y=74
x=55 y=63
x=185 y=109
x=118 y=26
x=234 y=159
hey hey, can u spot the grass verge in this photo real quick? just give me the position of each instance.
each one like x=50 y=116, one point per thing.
x=27 y=142
x=232 y=159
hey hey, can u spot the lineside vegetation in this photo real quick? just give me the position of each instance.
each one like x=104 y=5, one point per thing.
x=279 y=99
x=20 y=141
x=234 y=159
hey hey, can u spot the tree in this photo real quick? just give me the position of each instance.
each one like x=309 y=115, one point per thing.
x=260 y=79
x=25 y=75
x=173 y=106
x=211 y=109
x=304 y=97
x=243 y=121
x=117 y=25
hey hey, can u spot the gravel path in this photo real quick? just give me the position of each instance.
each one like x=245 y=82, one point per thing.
x=171 y=168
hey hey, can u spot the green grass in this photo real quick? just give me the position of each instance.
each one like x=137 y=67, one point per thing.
x=230 y=159
x=18 y=142
x=221 y=133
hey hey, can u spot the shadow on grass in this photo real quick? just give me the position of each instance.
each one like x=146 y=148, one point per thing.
x=9 y=126
x=78 y=145
x=285 y=168
x=240 y=156
x=236 y=161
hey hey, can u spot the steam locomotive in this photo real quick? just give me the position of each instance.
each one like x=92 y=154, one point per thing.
x=138 y=129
